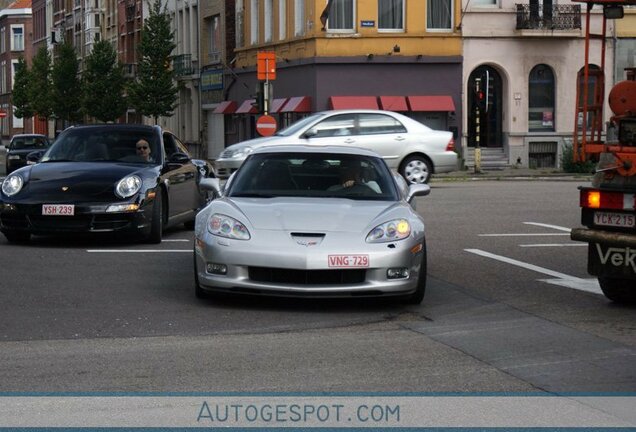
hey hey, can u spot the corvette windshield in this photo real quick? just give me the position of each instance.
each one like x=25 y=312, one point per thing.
x=100 y=145
x=314 y=175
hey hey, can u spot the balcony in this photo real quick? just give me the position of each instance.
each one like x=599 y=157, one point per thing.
x=182 y=65
x=535 y=16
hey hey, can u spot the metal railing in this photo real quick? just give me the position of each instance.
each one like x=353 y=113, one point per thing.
x=182 y=65
x=556 y=17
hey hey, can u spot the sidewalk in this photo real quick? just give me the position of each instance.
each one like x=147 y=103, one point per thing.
x=511 y=173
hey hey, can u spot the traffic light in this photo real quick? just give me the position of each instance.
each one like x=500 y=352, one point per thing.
x=259 y=99
x=479 y=96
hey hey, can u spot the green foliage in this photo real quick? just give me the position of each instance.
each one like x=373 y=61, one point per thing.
x=20 y=93
x=153 y=92
x=103 y=84
x=40 y=88
x=570 y=166
x=67 y=91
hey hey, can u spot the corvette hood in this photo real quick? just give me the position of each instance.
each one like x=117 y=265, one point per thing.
x=310 y=215
x=83 y=181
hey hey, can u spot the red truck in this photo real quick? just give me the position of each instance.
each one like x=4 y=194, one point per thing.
x=608 y=205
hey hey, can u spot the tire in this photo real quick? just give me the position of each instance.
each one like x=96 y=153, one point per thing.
x=189 y=225
x=618 y=290
x=17 y=236
x=156 y=224
x=417 y=297
x=198 y=291
x=416 y=169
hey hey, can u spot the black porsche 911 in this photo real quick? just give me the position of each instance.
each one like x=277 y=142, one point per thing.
x=117 y=178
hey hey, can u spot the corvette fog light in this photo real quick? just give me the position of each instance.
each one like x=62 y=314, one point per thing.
x=216 y=268
x=397 y=273
x=116 y=208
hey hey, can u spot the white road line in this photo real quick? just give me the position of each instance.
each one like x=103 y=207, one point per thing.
x=556 y=227
x=175 y=240
x=524 y=235
x=554 y=245
x=562 y=279
x=137 y=250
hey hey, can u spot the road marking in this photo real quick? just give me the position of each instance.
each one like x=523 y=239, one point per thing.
x=554 y=245
x=562 y=279
x=137 y=250
x=175 y=240
x=524 y=235
x=556 y=227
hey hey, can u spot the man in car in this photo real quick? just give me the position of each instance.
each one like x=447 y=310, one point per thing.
x=143 y=150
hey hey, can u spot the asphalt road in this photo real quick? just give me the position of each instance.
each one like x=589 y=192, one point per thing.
x=509 y=308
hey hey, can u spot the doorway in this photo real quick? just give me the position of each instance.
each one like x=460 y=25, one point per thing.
x=485 y=108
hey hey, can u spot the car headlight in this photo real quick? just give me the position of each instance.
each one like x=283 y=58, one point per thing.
x=242 y=152
x=225 y=226
x=397 y=229
x=128 y=186
x=12 y=184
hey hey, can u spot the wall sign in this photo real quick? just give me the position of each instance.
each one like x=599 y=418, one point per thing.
x=367 y=23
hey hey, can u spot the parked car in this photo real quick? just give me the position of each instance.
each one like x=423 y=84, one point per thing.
x=409 y=147
x=289 y=222
x=98 y=179
x=20 y=146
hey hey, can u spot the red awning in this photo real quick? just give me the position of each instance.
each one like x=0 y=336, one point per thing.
x=247 y=107
x=225 y=107
x=393 y=103
x=431 y=103
x=297 y=104
x=354 y=102
x=277 y=104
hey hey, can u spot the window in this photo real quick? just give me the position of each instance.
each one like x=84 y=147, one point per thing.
x=483 y=3
x=541 y=99
x=3 y=77
x=299 y=17
x=282 y=19
x=214 y=39
x=341 y=15
x=439 y=15
x=240 y=23
x=254 y=22
x=391 y=15
x=17 y=38
x=3 y=47
x=268 y=18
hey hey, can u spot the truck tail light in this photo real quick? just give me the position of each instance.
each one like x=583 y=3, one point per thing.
x=451 y=145
x=591 y=198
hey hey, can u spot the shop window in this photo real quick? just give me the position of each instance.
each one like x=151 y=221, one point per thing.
x=541 y=99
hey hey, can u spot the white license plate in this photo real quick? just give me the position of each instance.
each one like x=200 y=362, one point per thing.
x=348 y=261
x=622 y=220
x=58 y=209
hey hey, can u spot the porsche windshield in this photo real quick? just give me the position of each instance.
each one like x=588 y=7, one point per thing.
x=102 y=144
x=314 y=175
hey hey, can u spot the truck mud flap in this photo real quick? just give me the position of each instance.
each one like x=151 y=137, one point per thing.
x=611 y=261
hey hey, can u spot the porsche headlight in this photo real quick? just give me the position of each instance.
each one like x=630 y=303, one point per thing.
x=242 y=152
x=225 y=226
x=397 y=229
x=12 y=184
x=128 y=186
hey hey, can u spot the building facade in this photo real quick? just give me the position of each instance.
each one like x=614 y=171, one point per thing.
x=391 y=54
x=15 y=42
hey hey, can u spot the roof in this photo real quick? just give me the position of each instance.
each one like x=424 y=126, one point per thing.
x=20 y=4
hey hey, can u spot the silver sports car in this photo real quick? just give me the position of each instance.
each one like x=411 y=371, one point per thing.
x=312 y=221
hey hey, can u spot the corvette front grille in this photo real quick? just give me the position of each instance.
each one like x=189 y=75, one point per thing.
x=307 y=277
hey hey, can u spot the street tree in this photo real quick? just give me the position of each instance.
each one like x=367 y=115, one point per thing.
x=67 y=90
x=40 y=88
x=20 y=93
x=153 y=93
x=103 y=84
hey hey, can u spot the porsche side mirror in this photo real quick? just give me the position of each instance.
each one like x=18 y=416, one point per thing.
x=417 y=190
x=211 y=184
x=34 y=157
x=178 y=158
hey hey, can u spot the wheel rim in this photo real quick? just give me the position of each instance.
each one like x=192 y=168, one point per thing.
x=416 y=171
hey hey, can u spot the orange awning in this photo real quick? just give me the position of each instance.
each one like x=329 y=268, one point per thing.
x=297 y=104
x=393 y=103
x=277 y=104
x=225 y=107
x=431 y=103
x=354 y=102
x=247 y=107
